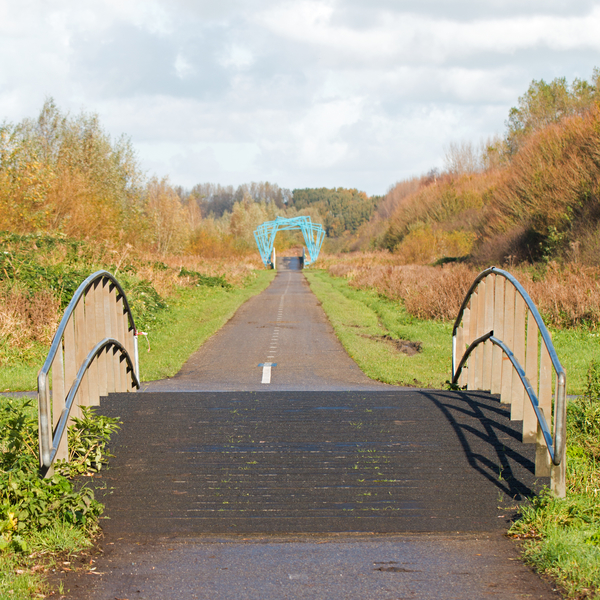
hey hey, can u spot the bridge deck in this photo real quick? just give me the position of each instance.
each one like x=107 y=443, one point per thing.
x=302 y=462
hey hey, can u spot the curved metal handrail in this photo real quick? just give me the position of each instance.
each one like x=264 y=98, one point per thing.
x=49 y=454
x=530 y=305
x=42 y=378
x=84 y=286
x=555 y=446
x=556 y=443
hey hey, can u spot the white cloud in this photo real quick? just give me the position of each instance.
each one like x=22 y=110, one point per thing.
x=237 y=56
x=305 y=93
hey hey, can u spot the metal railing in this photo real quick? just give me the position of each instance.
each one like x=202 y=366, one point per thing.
x=313 y=233
x=500 y=343
x=93 y=353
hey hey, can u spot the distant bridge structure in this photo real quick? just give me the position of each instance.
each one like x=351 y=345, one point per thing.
x=313 y=233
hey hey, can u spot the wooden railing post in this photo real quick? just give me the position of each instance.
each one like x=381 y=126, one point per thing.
x=480 y=332
x=518 y=393
x=58 y=398
x=100 y=334
x=80 y=354
x=498 y=327
x=90 y=356
x=465 y=341
x=531 y=370
x=501 y=344
x=490 y=282
x=542 y=457
x=506 y=395
x=474 y=303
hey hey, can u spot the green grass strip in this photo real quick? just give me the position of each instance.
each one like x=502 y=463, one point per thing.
x=16 y=581
x=576 y=348
x=358 y=313
x=192 y=317
x=361 y=320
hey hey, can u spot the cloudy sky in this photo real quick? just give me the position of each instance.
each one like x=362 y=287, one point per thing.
x=304 y=93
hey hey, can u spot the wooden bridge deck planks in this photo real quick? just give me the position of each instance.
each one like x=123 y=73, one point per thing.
x=314 y=462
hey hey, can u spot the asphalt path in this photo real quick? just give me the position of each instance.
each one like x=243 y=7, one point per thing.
x=284 y=326
x=318 y=483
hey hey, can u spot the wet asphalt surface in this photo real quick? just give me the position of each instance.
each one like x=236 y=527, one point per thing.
x=319 y=484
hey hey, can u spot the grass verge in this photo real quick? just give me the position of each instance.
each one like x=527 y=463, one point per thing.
x=367 y=325
x=193 y=315
x=562 y=535
x=576 y=349
x=45 y=523
x=357 y=314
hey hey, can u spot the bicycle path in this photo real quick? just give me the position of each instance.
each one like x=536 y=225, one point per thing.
x=317 y=484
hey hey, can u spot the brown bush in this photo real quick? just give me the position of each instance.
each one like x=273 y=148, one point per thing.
x=451 y=203
x=566 y=296
x=552 y=188
x=427 y=292
x=27 y=317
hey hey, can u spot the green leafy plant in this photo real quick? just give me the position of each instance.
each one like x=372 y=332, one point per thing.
x=31 y=504
x=88 y=437
x=562 y=535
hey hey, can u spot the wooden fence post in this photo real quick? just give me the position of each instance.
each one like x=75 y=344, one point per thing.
x=474 y=303
x=518 y=392
x=488 y=347
x=531 y=371
x=542 y=457
x=480 y=332
x=498 y=327
x=58 y=398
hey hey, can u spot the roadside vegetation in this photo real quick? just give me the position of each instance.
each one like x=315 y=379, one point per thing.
x=561 y=537
x=45 y=523
x=186 y=295
x=73 y=200
x=387 y=343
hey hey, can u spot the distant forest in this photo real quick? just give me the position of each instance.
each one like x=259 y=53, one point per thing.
x=340 y=210
x=530 y=195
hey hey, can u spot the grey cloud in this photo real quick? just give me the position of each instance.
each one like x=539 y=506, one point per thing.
x=346 y=104
x=360 y=14
x=128 y=61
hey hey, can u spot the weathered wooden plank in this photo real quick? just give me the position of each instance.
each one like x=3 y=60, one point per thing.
x=542 y=458
x=481 y=297
x=488 y=347
x=100 y=334
x=498 y=327
x=83 y=394
x=473 y=304
x=518 y=391
x=114 y=328
x=58 y=398
x=509 y=340
x=466 y=327
x=122 y=329
x=531 y=370
x=90 y=342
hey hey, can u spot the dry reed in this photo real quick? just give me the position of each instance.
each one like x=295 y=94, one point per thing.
x=567 y=296
x=25 y=318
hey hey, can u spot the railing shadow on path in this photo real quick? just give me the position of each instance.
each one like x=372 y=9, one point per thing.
x=475 y=411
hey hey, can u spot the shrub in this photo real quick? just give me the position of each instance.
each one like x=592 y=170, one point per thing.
x=30 y=504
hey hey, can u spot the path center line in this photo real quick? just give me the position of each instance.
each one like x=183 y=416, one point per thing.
x=266 y=376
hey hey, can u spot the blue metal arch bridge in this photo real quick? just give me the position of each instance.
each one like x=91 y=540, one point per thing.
x=313 y=233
